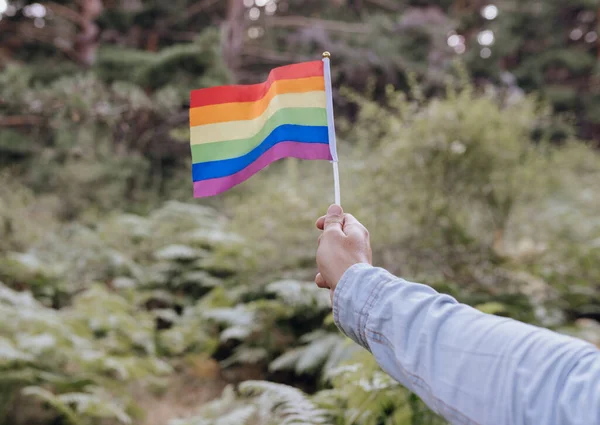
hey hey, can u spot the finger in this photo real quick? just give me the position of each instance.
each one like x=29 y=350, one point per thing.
x=320 y=281
x=320 y=223
x=334 y=219
x=354 y=227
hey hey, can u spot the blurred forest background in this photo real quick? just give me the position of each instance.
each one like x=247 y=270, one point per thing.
x=468 y=136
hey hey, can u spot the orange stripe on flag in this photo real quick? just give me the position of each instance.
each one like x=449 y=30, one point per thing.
x=242 y=111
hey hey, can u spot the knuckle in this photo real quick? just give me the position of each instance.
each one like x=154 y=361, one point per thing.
x=333 y=219
x=331 y=233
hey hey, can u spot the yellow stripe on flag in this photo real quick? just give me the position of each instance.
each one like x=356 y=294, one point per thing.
x=239 y=111
x=233 y=130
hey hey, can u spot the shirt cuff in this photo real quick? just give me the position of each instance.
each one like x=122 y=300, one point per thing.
x=356 y=292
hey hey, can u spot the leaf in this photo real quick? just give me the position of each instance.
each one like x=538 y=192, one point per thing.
x=209 y=238
x=69 y=414
x=491 y=308
x=235 y=332
x=240 y=416
x=324 y=350
x=177 y=252
x=250 y=355
x=287 y=360
x=95 y=406
x=316 y=353
x=300 y=294
x=289 y=404
x=238 y=316
x=10 y=354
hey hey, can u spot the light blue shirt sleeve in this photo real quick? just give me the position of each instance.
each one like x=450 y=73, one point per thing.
x=470 y=367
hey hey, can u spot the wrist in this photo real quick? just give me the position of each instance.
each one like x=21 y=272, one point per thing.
x=343 y=270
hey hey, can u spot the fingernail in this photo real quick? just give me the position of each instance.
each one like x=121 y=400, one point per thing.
x=334 y=209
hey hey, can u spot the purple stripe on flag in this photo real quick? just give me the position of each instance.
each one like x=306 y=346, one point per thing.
x=281 y=150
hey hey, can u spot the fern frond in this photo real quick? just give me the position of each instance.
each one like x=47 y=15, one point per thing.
x=287 y=360
x=222 y=404
x=300 y=294
x=95 y=405
x=224 y=411
x=10 y=354
x=240 y=416
x=243 y=354
x=316 y=353
x=14 y=298
x=37 y=344
x=190 y=421
x=60 y=406
x=235 y=332
x=19 y=377
x=176 y=253
x=290 y=404
x=324 y=350
x=235 y=316
x=342 y=351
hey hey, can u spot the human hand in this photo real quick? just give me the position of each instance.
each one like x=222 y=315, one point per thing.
x=343 y=243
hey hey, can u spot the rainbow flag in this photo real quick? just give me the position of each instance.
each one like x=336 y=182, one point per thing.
x=236 y=131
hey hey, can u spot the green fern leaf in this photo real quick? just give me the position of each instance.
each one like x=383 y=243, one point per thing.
x=290 y=405
x=60 y=406
x=287 y=360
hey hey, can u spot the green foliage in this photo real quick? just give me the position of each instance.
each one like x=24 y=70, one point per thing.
x=182 y=280
x=89 y=137
x=265 y=326
x=80 y=408
x=78 y=358
x=21 y=223
x=448 y=189
x=260 y=402
x=196 y=65
x=466 y=191
x=104 y=136
x=321 y=351
x=362 y=394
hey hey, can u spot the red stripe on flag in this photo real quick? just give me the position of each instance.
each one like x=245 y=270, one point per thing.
x=254 y=92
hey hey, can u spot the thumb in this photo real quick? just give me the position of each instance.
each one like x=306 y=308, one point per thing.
x=334 y=219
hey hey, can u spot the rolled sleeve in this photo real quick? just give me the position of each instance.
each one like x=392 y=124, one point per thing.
x=472 y=368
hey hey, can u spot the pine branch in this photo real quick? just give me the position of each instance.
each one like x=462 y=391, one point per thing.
x=19 y=120
x=199 y=7
x=273 y=56
x=65 y=12
x=303 y=22
x=25 y=31
x=386 y=4
x=193 y=10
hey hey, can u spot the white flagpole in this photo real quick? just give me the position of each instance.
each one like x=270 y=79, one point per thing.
x=331 y=127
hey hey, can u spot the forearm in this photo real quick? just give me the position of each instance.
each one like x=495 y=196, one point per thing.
x=468 y=366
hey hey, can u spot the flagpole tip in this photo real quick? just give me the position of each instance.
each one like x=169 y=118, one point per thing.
x=326 y=54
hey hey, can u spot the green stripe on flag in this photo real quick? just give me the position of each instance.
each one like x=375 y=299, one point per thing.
x=217 y=151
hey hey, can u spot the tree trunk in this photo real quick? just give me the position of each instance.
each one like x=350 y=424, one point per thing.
x=86 y=41
x=234 y=35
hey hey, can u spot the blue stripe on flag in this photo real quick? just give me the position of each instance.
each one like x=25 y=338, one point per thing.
x=283 y=133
